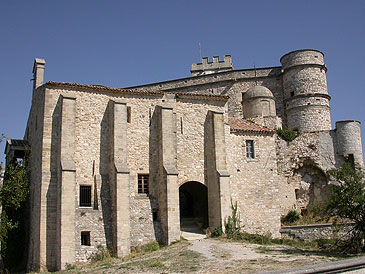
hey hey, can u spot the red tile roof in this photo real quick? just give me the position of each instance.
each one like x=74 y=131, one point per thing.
x=244 y=125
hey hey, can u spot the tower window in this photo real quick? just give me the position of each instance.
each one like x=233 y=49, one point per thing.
x=85 y=238
x=85 y=196
x=250 y=151
x=143 y=183
x=292 y=93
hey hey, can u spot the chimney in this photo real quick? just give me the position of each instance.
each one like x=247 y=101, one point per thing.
x=38 y=72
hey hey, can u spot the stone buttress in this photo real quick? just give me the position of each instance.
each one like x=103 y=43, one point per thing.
x=66 y=185
x=217 y=175
x=168 y=189
x=119 y=178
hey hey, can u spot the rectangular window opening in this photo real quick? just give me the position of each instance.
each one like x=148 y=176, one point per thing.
x=250 y=151
x=85 y=238
x=129 y=114
x=143 y=183
x=85 y=196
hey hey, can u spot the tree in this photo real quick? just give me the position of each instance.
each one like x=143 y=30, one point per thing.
x=347 y=201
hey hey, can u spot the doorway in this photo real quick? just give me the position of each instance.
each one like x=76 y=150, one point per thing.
x=193 y=206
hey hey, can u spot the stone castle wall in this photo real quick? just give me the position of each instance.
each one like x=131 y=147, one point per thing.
x=254 y=182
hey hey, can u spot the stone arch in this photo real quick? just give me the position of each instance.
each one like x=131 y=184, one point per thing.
x=310 y=186
x=193 y=198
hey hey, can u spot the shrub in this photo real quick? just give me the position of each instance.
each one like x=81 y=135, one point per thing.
x=287 y=134
x=233 y=223
x=101 y=254
x=153 y=246
x=347 y=201
x=291 y=217
x=217 y=232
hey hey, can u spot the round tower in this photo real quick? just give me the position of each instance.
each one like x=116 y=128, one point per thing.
x=305 y=90
x=348 y=137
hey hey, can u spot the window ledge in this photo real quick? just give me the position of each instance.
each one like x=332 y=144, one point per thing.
x=87 y=208
x=252 y=160
x=142 y=196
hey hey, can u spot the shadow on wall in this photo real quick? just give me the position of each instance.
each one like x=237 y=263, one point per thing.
x=155 y=170
x=51 y=234
x=105 y=197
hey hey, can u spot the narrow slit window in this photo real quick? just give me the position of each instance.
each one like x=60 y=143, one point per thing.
x=85 y=196
x=85 y=238
x=143 y=183
x=129 y=114
x=250 y=150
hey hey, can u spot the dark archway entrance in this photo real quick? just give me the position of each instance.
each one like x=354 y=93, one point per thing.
x=193 y=205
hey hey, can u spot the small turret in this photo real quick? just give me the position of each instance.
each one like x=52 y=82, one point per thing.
x=348 y=136
x=206 y=67
x=305 y=90
x=258 y=101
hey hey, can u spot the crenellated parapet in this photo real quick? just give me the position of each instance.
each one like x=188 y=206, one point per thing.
x=206 y=67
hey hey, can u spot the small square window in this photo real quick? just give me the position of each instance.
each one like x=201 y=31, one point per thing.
x=143 y=183
x=292 y=93
x=250 y=151
x=85 y=238
x=85 y=196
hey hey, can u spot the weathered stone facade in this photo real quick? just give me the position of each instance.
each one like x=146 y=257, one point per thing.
x=119 y=168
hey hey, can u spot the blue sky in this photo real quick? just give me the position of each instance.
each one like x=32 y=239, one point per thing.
x=125 y=43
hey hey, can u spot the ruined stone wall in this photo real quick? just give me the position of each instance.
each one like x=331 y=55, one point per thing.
x=254 y=182
x=314 y=232
x=302 y=166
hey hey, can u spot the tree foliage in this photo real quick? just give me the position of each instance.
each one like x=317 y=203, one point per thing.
x=13 y=195
x=347 y=200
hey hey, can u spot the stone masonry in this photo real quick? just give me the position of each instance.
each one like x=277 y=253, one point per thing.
x=121 y=167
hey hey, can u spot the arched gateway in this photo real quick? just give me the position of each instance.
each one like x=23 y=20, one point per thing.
x=193 y=204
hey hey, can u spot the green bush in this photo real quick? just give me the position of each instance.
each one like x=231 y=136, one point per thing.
x=217 y=232
x=153 y=246
x=101 y=254
x=291 y=217
x=287 y=134
x=233 y=223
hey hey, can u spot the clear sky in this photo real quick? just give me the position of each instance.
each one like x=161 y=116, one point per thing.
x=131 y=42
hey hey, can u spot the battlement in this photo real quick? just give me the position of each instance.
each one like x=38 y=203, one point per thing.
x=206 y=67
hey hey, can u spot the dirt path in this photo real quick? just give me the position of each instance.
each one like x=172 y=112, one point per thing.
x=209 y=256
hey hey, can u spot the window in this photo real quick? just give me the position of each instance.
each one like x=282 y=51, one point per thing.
x=85 y=238
x=129 y=114
x=143 y=183
x=85 y=195
x=250 y=152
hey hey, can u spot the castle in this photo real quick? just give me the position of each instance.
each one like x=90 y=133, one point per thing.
x=121 y=167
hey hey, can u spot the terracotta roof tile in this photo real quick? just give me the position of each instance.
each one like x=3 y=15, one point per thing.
x=103 y=88
x=244 y=125
x=182 y=95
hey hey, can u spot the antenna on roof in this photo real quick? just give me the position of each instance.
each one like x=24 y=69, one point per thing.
x=254 y=67
x=200 y=50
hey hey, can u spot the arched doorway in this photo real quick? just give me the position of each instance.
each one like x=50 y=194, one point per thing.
x=193 y=205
